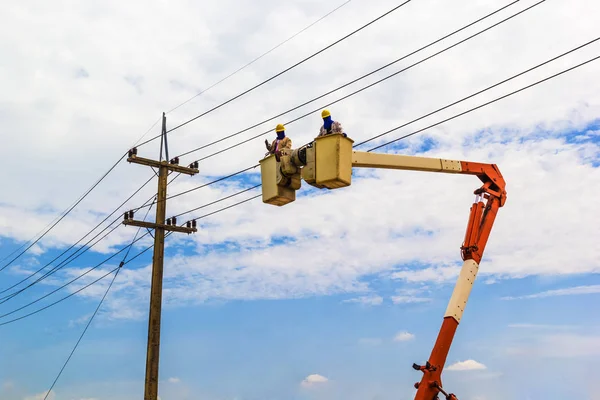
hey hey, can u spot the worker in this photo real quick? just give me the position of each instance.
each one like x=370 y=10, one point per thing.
x=329 y=126
x=280 y=142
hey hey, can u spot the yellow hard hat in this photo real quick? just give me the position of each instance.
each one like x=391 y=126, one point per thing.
x=325 y=114
x=279 y=128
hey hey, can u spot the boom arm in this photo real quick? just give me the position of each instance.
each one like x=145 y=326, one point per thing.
x=327 y=163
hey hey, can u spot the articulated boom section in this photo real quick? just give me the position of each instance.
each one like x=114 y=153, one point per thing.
x=327 y=163
x=479 y=227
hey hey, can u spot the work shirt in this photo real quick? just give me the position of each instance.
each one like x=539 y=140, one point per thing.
x=336 y=127
x=277 y=144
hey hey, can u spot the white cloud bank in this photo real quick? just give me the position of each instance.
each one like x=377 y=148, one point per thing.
x=313 y=380
x=91 y=99
x=467 y=365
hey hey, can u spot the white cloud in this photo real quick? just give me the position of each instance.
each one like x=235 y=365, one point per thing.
x=467 y=365
x=403 y=336
x=314 y=379
x=387 y=224
x=366 y=300
x=174 y=380
x=571 y=291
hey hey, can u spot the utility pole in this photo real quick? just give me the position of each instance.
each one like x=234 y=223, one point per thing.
x=153 y=349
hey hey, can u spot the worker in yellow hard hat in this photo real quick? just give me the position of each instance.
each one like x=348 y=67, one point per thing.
x=280 y=142
x=329 y=126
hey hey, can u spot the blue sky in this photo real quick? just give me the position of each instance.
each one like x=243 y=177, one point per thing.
x=333 y=296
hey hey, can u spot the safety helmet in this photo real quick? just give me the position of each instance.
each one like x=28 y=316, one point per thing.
x=279 y=128
x=325 y=114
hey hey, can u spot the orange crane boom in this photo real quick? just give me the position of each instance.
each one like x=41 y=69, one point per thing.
x=327 y=162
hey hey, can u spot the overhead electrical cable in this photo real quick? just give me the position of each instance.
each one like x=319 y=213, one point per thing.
x=115 y=269
x=385 y=144
x=63 y=215
x=348 y=83
x=55 y=222
x=284 y=71
x=45 y=276
x=486 y=89
x=369 y=85
x=444 y=107
x=74 y=279
x=481 y=105
x=51 y=225
x=261 y=56
x=353 y=81
x=205 y=184
x=96 y=311
x=84 y=245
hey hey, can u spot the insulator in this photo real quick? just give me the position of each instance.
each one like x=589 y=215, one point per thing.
x=188 y=224
x=193 y=223
x=126 y=216
x=174 y=219
x=135 y=150
x=130 y=214
x=177 y=160
x=130 y=152
x=196 y=164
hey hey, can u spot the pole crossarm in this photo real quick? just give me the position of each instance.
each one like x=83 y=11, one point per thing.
x=157 y=164
x=152 y=225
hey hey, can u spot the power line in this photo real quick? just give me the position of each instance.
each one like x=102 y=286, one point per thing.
x=367 y=86
x=74 y=279
x=261 y=56
x=486 y=89
x=349 y=83
x=385 y=144
x=482 y=105
x=206 y=184
x=16 y=293
x=51 y=225
x=82 y=333
x=114 y=255
x=84 y=245
x=219 y=200
x=115 y=269
x=65 y=213
x=439 y=109
x=77 y=291
x=284 y=71
x=346 y=84
x=96 y=311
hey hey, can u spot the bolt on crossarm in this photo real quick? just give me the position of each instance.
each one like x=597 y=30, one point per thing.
x=327 y=163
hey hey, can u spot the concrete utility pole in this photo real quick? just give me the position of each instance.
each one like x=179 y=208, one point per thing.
x=152 y=355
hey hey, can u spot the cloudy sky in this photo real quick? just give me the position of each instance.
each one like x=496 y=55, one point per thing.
x=333 y=296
